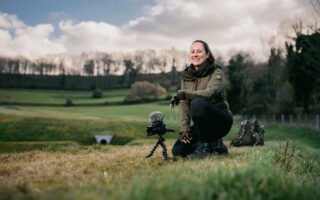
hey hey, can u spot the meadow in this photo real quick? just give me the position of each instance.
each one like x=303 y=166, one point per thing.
x=47 y=152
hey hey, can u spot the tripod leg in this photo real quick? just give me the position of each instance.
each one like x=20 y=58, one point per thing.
x=164 y=152
x=152 y=151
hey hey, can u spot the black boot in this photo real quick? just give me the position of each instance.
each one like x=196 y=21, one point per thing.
x=202 y=151
x=218 y=147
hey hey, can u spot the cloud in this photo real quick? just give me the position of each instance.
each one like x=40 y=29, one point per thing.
x=10 y=21
x=28 y=41
x=224 y=25
x=89 y=36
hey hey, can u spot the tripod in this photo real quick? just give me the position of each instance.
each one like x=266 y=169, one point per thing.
x=164 y=151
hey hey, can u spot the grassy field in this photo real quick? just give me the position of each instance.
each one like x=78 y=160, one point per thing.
x=56 y=97
x=47 y=152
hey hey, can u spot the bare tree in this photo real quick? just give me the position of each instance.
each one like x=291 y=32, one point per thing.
x=152 y=61
x=13 y=66
x=3 y=62
x=107 y=62
x=62 y=70
x=88 y=67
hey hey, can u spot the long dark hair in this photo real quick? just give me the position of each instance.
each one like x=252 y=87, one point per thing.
x=210 y=59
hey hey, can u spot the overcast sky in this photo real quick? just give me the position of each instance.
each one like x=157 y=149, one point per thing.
x=35 y=28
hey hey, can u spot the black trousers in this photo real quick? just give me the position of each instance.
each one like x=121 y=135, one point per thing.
x=210 y=124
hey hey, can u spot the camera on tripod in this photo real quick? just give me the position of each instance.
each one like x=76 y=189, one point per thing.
x=158 y=127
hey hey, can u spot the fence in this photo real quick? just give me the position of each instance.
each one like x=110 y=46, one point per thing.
x=300 y=120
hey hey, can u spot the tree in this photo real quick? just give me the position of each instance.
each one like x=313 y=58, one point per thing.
x=173 y=73
x=3 y=62
x=274 y=73
x=13 y=66
x=130 y=72
x=107 y=62
x=62 y=73
x=303 y=65
x=132 y=69
x=88 y=67
x=153 y=61
x=49 y=67
x=24 y=64
x=237 y=91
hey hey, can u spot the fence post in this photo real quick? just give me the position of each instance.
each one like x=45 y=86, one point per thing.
x=290 y=119
x=298 y=120
x=274 y=118
x=264 y=119
x=282 y=119
x=317 y=122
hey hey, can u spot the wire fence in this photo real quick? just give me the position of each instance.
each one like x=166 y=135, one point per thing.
x=300 y=120
x=310 y=121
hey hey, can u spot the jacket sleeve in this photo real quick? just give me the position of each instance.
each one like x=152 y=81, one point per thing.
x=184 y=117
x=215 y=87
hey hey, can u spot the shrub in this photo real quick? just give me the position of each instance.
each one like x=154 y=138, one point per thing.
x=144 y=91
x=97 y=93
x=69 y=102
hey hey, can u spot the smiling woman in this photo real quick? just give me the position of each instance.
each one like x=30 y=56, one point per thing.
x=202 y=98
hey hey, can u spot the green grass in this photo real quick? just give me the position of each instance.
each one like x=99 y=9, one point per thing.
x=46 y=152
x=18 y=147
x=56 y=97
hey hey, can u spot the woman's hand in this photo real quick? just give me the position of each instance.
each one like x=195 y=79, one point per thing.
x=171 y=106
x=174 y=101
x=186 y=138
x=186 y=141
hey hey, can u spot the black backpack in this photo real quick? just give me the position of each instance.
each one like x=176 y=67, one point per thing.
x=250 y=133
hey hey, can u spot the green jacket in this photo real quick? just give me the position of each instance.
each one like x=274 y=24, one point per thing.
x=210 y=87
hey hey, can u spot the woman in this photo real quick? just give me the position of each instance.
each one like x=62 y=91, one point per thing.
x=202 y=99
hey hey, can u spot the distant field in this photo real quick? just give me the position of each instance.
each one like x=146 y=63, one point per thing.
x=59 y=96
x=47 y=152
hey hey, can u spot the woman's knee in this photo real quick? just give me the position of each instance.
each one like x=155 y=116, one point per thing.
x=176 y=151
x=177 y=148
x=181 y=149
x=198 y=107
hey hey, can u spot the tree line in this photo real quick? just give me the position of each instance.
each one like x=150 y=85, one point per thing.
x=97 y=63
x=289 y=82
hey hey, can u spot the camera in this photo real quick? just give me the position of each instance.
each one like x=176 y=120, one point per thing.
x=157 y=126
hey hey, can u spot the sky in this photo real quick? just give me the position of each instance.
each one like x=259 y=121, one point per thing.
x=35 y=28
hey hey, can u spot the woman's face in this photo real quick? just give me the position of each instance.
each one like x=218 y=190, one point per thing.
x=198 y=54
